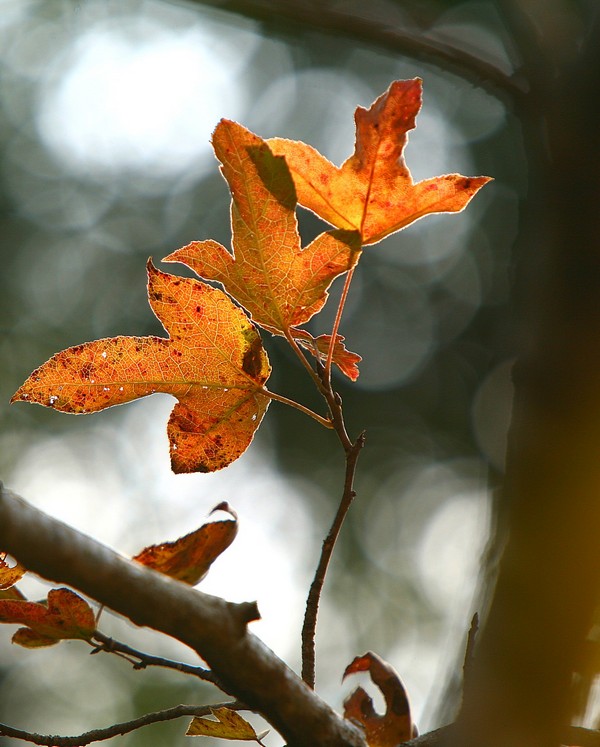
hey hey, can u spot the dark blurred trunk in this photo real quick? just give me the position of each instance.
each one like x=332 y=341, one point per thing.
x=534 y=638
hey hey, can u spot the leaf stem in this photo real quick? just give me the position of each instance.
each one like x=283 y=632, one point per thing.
x=337 y=322
x=292 y=403
x=312 y=603
x=299 y=352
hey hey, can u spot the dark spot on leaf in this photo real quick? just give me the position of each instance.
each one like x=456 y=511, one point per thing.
x=252 y=362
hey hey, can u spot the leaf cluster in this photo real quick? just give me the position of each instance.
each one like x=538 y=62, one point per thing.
x=214 y=363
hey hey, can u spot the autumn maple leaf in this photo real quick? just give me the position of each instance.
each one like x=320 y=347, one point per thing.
x=373 y=192
x=279 y=283
x=213 y=362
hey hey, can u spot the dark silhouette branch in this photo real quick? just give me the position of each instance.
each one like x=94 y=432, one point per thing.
x=311 y=16
x=109 y=645
x=214 y=628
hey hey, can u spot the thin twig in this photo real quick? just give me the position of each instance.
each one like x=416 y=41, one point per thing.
x=292 y=403
x=337 y=321
x=99 y=735
x=312 y=603
x=146 y=660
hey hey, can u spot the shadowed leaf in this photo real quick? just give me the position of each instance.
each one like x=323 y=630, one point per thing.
x=280 y=284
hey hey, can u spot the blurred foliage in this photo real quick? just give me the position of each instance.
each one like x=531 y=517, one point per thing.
x=428 y=311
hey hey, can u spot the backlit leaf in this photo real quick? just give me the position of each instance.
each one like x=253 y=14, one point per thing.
x=9 y=574
x=64 y=615
x=281 y=284
x=213 y=362
x=189 y=558
x=229 y=725
x=396 y=725
x=373 y=191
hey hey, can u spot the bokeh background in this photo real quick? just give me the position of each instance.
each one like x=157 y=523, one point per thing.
x=106 y=112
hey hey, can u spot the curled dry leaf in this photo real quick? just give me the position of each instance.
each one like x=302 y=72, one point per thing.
x=9 y=575
x=213 y=362
x=395 y=726
x=189 y=558
x=64 y=615
x=373 y=191
x=229 y=725
x=346 y=360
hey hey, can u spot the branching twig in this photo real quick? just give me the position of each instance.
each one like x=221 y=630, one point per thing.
x=146 y=660
x=99 y=735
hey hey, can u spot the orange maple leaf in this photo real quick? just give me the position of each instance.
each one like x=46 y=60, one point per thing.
x=213 y=362
x=64 y=615
x=395 y=726
x=373 y=192
x=278 y=282
x=189 y=558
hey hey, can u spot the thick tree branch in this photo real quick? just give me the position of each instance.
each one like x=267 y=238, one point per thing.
x=215 y=629
x=316 y=16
